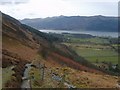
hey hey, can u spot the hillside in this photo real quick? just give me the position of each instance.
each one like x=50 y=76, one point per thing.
x=23 y=45
x=94 y=23
x=19 y=38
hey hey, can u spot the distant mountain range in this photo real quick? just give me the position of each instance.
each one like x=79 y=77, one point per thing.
x=91 y=23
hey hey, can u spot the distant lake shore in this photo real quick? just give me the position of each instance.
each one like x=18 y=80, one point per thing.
x=94 y=33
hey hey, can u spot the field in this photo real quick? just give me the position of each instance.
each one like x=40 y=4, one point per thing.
x=89 y=40
x=94 y=49
x=96 y=53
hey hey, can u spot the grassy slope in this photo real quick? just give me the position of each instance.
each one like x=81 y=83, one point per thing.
x=6 y=75
x=77 y=78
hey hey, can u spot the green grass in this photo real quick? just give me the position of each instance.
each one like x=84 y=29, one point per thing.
x=34 y=72
x=100 y=55
x=93 y=49
x=113 y=59
x=95 y=40
x=95 y=53
x=6 y=75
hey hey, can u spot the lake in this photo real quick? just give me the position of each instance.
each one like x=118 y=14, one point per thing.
x=94 y=33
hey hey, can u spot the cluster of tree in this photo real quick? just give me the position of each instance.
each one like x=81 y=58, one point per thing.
x=49 y=37
x=114 y=68
x=114 y=41
x=44 y=53
x=79 y=35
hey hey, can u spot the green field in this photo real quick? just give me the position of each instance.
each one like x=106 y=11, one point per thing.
x=89 y=40
x=94 y=40
x=96 y=53
x=96 y=49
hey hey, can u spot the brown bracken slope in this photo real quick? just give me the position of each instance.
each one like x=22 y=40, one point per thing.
x=22 y=41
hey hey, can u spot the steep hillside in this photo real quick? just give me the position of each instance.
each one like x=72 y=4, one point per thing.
x=23 y=44
x=93 y=23
x=27 y=42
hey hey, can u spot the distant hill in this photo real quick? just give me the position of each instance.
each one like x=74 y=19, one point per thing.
x=94 y=23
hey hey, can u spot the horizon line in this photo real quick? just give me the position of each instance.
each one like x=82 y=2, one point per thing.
x=70 y=16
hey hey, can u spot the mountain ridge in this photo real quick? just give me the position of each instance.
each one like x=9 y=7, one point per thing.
x=87 y=23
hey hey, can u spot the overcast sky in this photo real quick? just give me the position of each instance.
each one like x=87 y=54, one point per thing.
x=21 y=9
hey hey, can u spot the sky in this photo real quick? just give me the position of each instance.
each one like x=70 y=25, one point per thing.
x=21 y=9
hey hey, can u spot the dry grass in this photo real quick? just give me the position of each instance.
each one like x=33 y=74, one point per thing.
x=18 y=48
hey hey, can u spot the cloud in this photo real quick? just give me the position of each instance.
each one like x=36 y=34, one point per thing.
x=92 y=0
x=48 y=8
x=6 y=2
